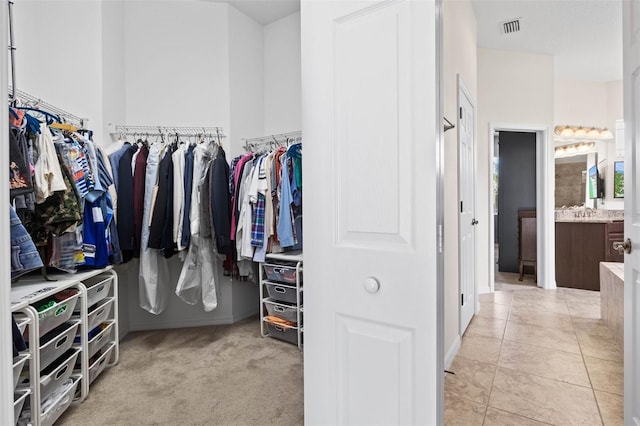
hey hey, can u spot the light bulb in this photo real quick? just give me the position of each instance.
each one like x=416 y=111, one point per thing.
x=567 y=132
x=593 y=133
x=606 y=134
x=580 y=133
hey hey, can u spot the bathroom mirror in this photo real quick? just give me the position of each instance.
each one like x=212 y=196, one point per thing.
x=571 y=181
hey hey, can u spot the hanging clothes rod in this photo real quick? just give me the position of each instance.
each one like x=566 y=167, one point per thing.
x=275 y=139
x=25 y=99
x=168 y=130
x=271 y=138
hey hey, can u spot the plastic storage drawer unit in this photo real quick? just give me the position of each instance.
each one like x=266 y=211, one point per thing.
x=50 y=415
x=57 y=373
x=97 y=288
x=100 y=339
x=281 y=310
x=54 y=346
x=281 y=273
x=283 y=333
x=283 y=293
x=57 y=314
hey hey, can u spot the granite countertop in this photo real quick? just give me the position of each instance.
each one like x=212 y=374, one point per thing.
x=586 y=215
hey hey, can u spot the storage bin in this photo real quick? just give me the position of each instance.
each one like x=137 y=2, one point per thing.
x=281 y=310
x=99 y=313
x=99 y=365
x=287 y=334
x=54 y=344
x=19 y=397
x=18 y=365
x=100 y=340
x=49 y=416
x=281 y=273
x=97 y=288
x=56 y=315
x=57 y=373
x=283 y=293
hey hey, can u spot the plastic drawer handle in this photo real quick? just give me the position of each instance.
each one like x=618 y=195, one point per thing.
x=61 y=341
x=61 y=372
x=100 y=289
x=99 y=313
x=280 y=290
x=61 y=310
x=278 y=308
x=100 y=338
x=280 y=329
x=279 y=270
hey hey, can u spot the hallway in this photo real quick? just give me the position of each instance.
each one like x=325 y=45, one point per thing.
x=534 y=357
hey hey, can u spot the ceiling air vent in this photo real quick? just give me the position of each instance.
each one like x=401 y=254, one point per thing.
x=512 y=26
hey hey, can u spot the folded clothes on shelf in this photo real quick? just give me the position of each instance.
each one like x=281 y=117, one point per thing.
x=279 y=321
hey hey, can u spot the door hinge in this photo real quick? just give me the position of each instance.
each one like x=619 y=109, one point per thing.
x=462 y=299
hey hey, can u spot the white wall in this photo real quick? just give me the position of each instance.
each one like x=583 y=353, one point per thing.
x=59 y=62
x=513 y=88
x=282 y=76
x=459 y=29
x=246 y=63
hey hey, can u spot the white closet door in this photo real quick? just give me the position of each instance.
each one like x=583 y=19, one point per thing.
x=631 y=37
x=371 y=125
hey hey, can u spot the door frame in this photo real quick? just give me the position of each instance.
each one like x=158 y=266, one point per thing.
x=6 y=359
x=545 y=206
x=463 y=90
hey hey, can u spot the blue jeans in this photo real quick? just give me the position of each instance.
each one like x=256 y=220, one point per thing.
x=24 y=254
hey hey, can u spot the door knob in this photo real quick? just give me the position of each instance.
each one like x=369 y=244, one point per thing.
x=474 y=221
x=372 y=285
x=622 y=247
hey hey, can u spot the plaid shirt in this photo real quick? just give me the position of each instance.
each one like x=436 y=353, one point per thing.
x=257 y=226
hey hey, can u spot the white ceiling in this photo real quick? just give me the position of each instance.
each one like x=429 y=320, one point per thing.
x=585 y=36
x=265 y=11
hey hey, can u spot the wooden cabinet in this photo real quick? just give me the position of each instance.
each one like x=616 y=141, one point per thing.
x=615 y=232
x=580 y=247
x=527 y=239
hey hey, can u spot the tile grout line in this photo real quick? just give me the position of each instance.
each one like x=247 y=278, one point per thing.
x=595 y=397
x=497 y=362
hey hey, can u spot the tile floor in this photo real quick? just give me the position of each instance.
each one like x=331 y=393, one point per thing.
x=535 y=357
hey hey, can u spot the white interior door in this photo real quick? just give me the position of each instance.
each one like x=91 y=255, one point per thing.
x=371 y=127
x=631 y=29
x=467 y=202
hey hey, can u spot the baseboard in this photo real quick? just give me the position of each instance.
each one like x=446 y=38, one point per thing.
x=484 y=290
x=452 y=352
x=187 y=323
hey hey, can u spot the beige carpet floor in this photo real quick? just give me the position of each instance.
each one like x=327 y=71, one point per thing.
x=217 y=375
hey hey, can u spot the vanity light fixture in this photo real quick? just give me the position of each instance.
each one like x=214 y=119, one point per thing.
x=580 y=132
x=568 y=150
